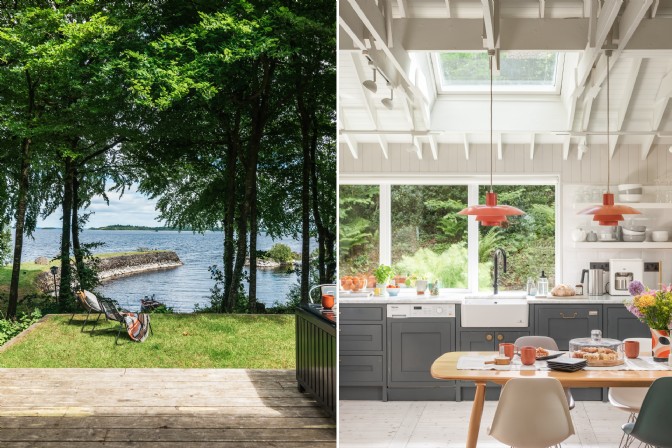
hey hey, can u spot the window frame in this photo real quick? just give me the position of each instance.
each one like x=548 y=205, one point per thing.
x=385 y=182
x=441 y=89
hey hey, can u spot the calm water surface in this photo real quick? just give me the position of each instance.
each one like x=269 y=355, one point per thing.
x=181 y=287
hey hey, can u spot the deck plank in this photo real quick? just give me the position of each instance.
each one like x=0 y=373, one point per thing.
x=162 y=408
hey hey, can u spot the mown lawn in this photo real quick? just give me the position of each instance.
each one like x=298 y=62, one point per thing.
x=179 y=341
x=29 y=272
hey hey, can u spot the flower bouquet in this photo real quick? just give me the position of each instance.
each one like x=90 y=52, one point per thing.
x=653 y=308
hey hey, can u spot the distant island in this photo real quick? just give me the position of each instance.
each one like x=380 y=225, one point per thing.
x=155 y=229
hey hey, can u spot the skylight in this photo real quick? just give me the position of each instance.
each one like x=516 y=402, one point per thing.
x=520 y=71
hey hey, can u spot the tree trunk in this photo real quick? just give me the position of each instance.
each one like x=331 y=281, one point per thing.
x=64 y=290
x=260 y=115
x=21 y=206
x=229 y=216
x=254 y=230
x=76 y=246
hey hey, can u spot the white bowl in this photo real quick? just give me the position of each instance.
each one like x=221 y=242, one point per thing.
x=629 y=197
x=660 y=236
x=624 y=187
x=633 y=232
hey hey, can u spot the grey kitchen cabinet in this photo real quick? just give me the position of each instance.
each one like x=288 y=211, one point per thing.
x=362 y=355
x=414 y=346
x=565 y=322
x=619 y=323
x=488 y=340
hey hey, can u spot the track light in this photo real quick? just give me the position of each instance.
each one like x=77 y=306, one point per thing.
x=371 y=84
x=389 y=102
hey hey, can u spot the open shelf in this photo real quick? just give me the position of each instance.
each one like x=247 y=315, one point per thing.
x=637 y=205
x=623 y=245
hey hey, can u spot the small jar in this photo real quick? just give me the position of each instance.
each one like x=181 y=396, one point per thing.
x=579 y=289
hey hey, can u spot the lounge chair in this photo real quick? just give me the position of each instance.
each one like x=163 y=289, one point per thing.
x=137 y=325
x=90 y=303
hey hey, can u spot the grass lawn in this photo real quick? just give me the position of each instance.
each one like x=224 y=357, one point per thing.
x=179 y=341
x=29 y=272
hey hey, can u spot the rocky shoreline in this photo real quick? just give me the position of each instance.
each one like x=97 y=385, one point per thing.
x=121 y=266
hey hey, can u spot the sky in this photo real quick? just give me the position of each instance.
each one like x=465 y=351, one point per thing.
x=132 y=208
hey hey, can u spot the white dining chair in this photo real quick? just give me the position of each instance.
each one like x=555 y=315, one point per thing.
x=630 y=399
x=549 y=344
x=532 y=413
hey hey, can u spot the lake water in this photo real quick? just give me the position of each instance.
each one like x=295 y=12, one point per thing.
x=182 y=287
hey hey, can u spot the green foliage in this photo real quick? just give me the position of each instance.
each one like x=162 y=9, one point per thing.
x=281 y=253
x=10 y=328
x=449 y=267
x=358 y=228
x=5 y=244
x=383 y=274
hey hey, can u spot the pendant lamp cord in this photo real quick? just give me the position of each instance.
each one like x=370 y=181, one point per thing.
x=608 y=132
x=492 y=160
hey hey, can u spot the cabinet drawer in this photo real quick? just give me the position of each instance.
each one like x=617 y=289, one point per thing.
x=352 y=313
x=354 y=370
x=361 y=338
x=563 y=323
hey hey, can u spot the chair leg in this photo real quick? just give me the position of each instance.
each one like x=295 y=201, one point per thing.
x=121 y=326
x=88 y=313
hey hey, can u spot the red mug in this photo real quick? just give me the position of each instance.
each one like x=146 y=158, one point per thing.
x=631 y=349
x=327 y=301
x=528 y=355
x=508 y=349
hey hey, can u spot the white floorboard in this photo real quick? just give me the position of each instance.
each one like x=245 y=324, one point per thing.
x=432 y=424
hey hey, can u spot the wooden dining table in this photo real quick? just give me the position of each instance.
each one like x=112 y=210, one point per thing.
x=445 y=368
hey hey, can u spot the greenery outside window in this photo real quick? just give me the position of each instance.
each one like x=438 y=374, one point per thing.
x=429 y=240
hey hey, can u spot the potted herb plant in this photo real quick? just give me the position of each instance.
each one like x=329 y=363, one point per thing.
x=383 y=274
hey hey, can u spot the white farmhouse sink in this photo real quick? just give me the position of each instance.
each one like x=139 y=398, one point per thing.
x=507 y=309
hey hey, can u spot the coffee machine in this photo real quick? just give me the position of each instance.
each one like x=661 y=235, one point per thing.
x=622 y=272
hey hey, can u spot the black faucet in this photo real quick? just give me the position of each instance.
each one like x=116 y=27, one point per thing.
x=496 y=255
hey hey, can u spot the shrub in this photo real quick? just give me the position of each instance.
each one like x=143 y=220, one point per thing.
x=281 y=253
x=10 y=328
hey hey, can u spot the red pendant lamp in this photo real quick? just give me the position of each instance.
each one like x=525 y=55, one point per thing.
x=491 y=214
x=608 y=214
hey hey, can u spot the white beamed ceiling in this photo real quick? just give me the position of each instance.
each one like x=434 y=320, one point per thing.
x=421 y=114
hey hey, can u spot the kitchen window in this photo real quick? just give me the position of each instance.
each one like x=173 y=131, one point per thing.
x=416 y=229
x=359 y=224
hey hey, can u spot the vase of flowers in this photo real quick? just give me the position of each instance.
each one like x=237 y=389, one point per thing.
x=653 y=308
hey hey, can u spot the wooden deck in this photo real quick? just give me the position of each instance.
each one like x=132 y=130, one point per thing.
x=162 y=408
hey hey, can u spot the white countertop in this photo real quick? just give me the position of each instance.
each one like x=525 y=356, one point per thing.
x=458 y=298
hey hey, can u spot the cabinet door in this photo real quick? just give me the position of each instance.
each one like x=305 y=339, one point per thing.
x=415 y=345
x=622 y=324
x=477 y=341
x=508 y=336
x=563 y=323
x=360 y=370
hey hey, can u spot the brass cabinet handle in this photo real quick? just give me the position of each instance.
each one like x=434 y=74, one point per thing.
x=500 y=337
x=573 y=316
x=488 y=337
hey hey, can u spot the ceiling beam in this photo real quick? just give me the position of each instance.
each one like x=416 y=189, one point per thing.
x=646 y=145
x=662 y=99
x=623 y=108
x=592 y=24
x=542 y=9
x=583 y=144
x=403 y=8
x=384 y=145
x=352 y=146
x=433 y=145
x=532 y=137
x=466 y=146
x=418 y=147
x=565 y=147
x=491 y=24
x=450 y=14
x=442 y=34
